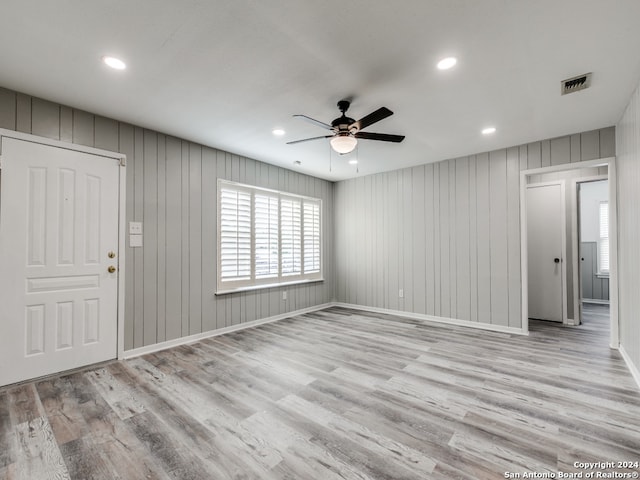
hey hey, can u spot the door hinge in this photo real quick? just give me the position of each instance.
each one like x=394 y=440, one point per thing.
x=123 y=161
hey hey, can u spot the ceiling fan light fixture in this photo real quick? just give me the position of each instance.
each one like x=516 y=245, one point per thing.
x=343 y=143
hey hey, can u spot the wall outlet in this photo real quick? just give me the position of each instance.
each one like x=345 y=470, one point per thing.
x=401 y=293
x=284 y=295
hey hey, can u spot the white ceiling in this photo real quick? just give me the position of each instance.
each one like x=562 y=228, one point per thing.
x=225 y=73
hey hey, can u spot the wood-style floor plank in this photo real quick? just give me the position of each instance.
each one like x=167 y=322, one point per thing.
x=334 y=394
x=38 y=452
x=7 y=434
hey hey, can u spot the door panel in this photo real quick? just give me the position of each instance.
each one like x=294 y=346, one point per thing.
x=58 y=222
x=545 y=244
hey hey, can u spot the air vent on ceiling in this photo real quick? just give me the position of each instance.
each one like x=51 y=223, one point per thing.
x=575 y=84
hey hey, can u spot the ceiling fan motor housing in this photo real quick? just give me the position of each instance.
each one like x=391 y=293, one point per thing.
x=342 y=123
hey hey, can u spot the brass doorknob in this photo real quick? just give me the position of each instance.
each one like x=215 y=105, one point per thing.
x=111 y=269
x=111 y=254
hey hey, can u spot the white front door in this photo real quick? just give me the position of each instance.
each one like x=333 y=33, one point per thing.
x=545 y=246
x=58 y=241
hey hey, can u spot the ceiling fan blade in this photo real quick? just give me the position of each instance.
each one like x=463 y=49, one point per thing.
x=380 y=114
x=308 y=139
x=385 y=137
x=315 y=122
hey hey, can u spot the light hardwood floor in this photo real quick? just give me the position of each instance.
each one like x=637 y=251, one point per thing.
x=336 y=394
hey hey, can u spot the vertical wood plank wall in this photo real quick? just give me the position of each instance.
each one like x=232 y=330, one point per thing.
x=171 y=188
x=628 y=178
x=448 y=233
x=594 y=287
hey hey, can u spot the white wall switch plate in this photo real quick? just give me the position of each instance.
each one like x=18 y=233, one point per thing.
x=284 y=295
x=135 y=228
x=401 y=293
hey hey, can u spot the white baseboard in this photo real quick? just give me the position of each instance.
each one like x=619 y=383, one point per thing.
x=630 y=365
x=156 y=347
x=432 y=318
x=594 y=301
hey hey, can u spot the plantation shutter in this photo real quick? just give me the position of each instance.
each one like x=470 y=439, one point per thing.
x=266 y=235
x=235 y=234
x=290 y=236
x=311 y=237
x=266 y=238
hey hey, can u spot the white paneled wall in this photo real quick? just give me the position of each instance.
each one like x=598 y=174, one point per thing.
x=447 y=234
x=628 y=173
x=171 y=188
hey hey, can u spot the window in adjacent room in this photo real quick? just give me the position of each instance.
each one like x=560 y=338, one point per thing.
x=266 y=237
x=603 y=244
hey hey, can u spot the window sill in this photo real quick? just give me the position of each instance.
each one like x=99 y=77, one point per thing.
x=267 y=285
x=602 y=275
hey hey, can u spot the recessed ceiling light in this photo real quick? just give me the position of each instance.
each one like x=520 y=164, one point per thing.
x=447 y=63
x=353 y=162
x=114 y=63
x=279 y=132
x=488 y=130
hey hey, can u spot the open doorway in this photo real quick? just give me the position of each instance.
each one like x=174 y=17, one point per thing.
x=592 y=196
x=561 y=221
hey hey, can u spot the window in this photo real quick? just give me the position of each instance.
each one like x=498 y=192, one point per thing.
x=266 y=238
x=603 y=244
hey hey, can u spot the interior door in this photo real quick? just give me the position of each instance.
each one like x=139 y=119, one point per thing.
x=59 y=257
x=545 y=245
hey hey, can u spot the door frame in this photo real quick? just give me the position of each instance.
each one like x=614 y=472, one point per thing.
x=122 y=182
x=610 y=162
x=563 y=251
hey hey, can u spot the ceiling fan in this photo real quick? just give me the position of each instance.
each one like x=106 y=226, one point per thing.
x=347 y=131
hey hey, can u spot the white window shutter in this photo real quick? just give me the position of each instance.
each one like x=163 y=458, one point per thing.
x=311 y=237
x=266 y=235
x=290 y=237
x=235 y=234
x=266 y=238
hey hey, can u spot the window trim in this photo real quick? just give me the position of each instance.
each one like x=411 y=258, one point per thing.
x=253 y=283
